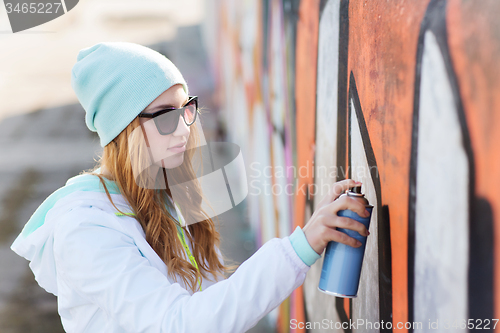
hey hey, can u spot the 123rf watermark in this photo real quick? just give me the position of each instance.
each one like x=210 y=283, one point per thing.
x=325 y=324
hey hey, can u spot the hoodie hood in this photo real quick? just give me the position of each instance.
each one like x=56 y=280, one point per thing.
x=35 y=240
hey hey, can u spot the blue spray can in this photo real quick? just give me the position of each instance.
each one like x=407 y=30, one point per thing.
x=342 y=263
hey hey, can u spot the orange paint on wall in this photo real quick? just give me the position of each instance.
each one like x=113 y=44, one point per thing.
x=305 y=102
x=474 y=42
x=346 y=307
x=382 y=56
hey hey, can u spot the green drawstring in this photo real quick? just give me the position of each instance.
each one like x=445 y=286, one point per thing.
x=124 y=214
x=181 y=236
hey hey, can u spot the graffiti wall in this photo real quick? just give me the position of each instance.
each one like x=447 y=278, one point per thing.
x=403 y=96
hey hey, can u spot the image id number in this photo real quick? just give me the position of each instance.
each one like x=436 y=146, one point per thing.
x=33 y=7
x=471 y=324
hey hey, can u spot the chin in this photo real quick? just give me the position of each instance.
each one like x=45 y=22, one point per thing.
x=172 y=161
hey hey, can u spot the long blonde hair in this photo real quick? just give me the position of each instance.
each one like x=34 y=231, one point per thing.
x=157 y=222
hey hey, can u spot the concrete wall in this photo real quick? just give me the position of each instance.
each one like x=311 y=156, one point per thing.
x=402 y=96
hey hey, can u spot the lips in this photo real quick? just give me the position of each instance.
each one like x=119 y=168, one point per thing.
x=179 y=145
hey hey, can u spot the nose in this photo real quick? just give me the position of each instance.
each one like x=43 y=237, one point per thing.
x=182 y=128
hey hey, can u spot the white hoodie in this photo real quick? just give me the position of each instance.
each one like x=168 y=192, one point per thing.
x=107 y=278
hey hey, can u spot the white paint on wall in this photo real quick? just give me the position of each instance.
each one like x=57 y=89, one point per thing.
x=366 y=305
x=252 y=162
x=327 y=83
x=259 y=180
x=441 y=224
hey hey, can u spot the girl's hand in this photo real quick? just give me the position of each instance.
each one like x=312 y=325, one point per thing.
x=321 y=227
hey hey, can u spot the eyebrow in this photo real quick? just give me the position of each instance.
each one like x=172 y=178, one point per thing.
x=165 y=106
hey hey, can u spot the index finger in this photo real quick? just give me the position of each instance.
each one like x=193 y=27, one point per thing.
x=341 y=186
x=336 y=190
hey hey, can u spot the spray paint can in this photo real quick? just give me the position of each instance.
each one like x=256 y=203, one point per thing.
x=342 y=264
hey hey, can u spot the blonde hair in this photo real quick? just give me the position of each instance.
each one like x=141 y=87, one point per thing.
x=149 y=206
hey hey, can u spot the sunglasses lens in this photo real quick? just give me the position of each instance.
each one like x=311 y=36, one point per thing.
x=167 y=122
x=190 y=112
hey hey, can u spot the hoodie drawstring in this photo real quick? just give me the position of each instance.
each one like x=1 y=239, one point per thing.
x=182 y=238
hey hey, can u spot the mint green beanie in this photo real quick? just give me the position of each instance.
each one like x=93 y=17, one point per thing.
x=115 y=81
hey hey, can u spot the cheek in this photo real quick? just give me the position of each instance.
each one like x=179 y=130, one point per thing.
x=157 y=143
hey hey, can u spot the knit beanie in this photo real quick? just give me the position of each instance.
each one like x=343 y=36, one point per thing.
x=115 y=81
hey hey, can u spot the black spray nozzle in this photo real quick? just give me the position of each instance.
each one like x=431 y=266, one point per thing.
x=356 y=189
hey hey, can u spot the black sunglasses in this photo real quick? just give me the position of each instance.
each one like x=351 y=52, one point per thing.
x=166 y=120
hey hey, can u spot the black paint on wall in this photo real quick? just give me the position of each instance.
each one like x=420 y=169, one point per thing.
x=481 y=265
x=480 y=276
x=342 y=87
x=385 y=263
x=266 y=15
x=339 y=305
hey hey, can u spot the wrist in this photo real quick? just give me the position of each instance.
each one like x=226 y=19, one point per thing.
x=302 y=247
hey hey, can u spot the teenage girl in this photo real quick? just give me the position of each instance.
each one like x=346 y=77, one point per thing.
x=118 y=256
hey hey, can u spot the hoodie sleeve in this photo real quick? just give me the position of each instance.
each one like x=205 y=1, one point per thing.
x=103 y=264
